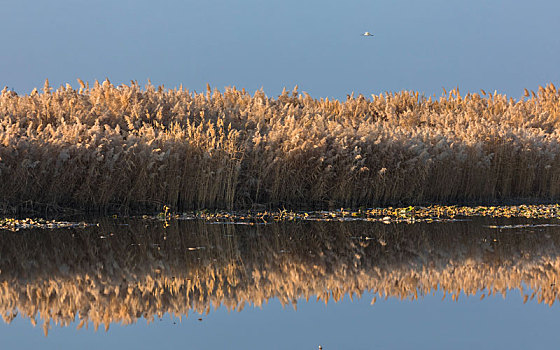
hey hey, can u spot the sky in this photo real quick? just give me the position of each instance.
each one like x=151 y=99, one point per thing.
x=423 y=46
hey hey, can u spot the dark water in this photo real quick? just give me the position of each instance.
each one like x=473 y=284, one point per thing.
x=350 y=285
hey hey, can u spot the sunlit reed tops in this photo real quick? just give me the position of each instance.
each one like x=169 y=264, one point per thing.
x=124 y=147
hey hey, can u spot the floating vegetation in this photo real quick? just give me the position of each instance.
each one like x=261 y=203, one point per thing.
x=410 y=214
x=28 y=223
x=105 y=147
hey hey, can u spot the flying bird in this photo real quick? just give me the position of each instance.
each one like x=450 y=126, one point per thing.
x=367 y=34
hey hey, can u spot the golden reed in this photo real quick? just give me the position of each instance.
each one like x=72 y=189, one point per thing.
x=120 y=274
x=124 y=147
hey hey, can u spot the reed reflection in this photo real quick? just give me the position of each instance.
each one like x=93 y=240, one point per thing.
x=123 y=272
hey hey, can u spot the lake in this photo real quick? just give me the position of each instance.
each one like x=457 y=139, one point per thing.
x=482 y=282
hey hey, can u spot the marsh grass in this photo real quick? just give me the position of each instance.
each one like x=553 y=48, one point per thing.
x=126 y=147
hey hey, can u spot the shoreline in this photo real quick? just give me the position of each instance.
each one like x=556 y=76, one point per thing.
x=388 y=215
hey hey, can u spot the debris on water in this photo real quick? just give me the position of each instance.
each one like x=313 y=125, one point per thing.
x=237 y=223
x=15 y=225
x=522 y=226
x=195 y=248
x=409 y=215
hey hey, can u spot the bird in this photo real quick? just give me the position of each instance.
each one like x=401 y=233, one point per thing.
x=367 y=34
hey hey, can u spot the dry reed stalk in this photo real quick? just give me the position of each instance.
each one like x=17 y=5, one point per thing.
x=107 y=147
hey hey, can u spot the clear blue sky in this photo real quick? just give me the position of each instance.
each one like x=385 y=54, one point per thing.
x=418 y=45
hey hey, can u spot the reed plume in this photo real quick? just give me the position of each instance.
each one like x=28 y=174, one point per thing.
x=127 y=147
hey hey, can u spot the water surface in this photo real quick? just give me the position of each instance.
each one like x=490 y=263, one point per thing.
x=489 y=283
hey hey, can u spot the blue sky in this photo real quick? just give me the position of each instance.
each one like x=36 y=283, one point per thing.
x=418 y=45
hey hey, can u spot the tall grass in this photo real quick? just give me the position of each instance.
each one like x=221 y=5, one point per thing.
x=127 y=147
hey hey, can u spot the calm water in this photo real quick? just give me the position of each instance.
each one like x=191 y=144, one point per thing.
x=347 y=285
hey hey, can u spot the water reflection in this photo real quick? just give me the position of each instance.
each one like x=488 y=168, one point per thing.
x=123 y=271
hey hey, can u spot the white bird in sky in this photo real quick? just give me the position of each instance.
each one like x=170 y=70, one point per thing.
x=367 y=34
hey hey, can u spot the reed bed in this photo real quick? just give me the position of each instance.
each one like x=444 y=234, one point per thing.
x=126 y=147
x=120 y=274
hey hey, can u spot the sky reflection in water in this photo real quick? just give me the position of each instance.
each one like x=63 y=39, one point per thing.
x=280 y=263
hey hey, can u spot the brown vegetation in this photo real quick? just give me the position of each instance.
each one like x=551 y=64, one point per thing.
x=127 y=147
x=115 y=273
